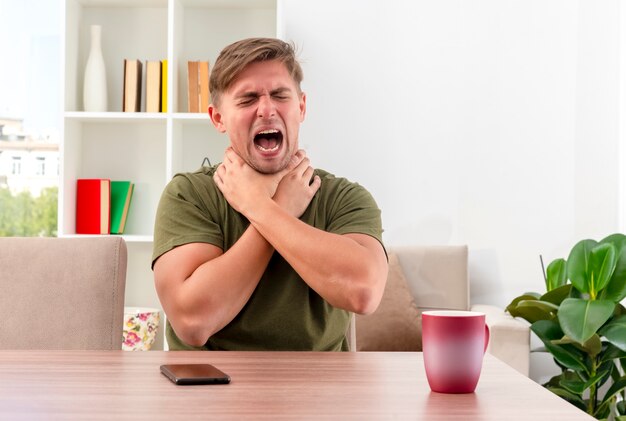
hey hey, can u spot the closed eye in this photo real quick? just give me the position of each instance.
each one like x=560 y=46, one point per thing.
x=246 y=101
x=246 y=98
x=281 y=94
x=249 y=98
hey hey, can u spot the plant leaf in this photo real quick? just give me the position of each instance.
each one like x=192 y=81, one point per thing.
x=556 y=274
x=592 y=347
x=532 y=314
x=566 y=355
x=542 y=305
x=615 y=388
x=611 y=353
x=574 y=293
x=578 y=264
x=516 y=300
x=572 y=383
x=616 y=289
x=557 y=295
x=601 y=412
x=576 y=385
x=604 y=405
x=615 y=374
x=528 y=313
x=621 y=408
x=615 y=332
x=555 y=381
x=602 y=261
x=580 y=319
x=608 y=368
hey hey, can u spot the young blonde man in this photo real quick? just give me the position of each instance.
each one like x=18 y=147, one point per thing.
x=264 y=252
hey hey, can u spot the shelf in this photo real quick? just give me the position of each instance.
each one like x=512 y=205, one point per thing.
x=127 y=238
x=146 y=148
x=217 y=4
x=191 y=116
x=114 y=117
x=196 y=119
x=123 y=3
x=230 y=4
x=121 y=117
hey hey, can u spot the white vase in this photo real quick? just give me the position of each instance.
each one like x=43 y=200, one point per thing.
x=95 y=83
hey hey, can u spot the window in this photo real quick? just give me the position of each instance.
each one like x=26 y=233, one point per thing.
x=30 y=41
x=40 y=166
x=16 y=165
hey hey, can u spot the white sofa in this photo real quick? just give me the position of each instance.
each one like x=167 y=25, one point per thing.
x=428 y=278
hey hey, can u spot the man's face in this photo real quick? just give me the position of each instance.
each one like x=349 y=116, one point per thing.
x=261 y=112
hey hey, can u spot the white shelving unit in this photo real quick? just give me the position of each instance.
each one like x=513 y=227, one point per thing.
x=146 y=148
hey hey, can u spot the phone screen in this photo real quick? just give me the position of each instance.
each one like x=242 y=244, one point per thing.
x=189 y=374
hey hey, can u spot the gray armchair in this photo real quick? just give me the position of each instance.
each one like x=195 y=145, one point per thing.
x=62 y=293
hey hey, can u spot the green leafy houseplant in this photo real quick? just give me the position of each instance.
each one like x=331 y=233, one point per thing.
x=583 y=325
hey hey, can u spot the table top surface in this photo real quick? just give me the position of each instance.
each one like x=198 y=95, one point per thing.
x=271 y=385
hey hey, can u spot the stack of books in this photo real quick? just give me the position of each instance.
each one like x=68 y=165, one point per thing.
x=198 y=86
x=102 y=205
x=156 y=86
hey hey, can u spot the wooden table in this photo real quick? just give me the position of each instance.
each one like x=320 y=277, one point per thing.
x=114 y=385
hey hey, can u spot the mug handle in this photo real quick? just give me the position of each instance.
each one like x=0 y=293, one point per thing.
x=487 y=334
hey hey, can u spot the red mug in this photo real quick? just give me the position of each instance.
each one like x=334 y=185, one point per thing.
x=454 y=343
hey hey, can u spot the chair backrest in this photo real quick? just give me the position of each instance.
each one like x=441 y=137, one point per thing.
x=419 y=278
x=62 y=293
x=437 y=276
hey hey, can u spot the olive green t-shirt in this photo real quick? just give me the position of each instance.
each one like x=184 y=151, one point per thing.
x=283 y=313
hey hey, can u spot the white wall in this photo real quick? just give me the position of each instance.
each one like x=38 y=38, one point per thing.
x=492 y=123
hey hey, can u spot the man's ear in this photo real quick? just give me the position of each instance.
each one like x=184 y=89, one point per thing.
x=302 y=106
x=216 y=119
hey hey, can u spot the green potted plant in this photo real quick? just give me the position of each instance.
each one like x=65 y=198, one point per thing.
x=583 y=325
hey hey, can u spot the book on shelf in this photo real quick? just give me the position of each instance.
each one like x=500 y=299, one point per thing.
x=192 y=86
x=121 y=195
x=164 y=86
x=203 y=82
x=198 y=86
x=132 y=86
x=93 y=204
x=153 y=86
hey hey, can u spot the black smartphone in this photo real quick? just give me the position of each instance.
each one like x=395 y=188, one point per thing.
x=189 y=374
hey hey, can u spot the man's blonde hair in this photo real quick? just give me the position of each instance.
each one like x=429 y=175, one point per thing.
x=237 y=56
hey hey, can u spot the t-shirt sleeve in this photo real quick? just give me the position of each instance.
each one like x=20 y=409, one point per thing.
x=182 y=217
x=354 y=210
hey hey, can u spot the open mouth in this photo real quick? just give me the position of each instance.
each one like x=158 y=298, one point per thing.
x=268 y=140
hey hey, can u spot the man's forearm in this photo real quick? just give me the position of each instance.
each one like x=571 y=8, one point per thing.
x=216 y=290
x=346 y=273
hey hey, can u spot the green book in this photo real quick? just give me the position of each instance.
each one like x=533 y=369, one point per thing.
x=121 y=193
